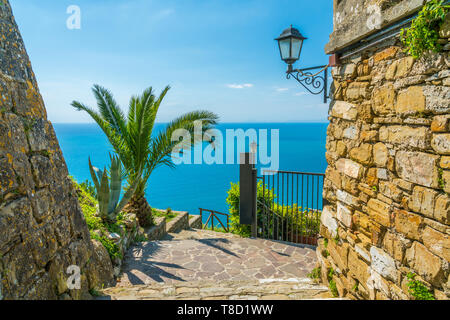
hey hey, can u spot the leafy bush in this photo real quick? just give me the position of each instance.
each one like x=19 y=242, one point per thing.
x=417 y=289
x=233 y=204
x=423 y=34
x=333 y=288
x=315 y=273
x=110 y=246
x=168 y=214
x=97 y=227
x=332 y=283
x=306 y=221
x=89 y=188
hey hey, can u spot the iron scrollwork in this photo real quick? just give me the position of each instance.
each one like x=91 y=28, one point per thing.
x=315 y=83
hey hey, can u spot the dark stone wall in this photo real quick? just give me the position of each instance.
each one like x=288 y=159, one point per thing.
x=42 y=229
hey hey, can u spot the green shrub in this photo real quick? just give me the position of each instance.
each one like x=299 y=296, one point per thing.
x=333 y=288
x=110 y=245
x=306 y=221
x=89 y=208
x=423 y=34
x=332 y=283
x=330 y=274
x=315 y=273
x=168 y=214
x=417 y=289
x=89 y=188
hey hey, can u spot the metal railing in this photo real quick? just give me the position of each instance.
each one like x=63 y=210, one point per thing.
x=290 y=207
x=213 y=214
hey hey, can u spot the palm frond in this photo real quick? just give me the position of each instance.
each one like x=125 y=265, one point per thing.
x=162 y=144
x=116 y=140
x=131 y=136
x=109 y=109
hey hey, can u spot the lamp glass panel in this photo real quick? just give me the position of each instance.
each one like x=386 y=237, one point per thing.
x=296 y=48
x=285 y=48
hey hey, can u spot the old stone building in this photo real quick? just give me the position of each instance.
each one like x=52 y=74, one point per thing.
x=388 y=149
x=42 y=229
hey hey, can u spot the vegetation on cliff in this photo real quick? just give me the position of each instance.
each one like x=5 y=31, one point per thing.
x=98 y=229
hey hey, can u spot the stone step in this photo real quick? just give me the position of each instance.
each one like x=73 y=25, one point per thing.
x=195 y=234
x=267 y=289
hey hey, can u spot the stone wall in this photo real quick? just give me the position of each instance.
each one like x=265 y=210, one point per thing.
x=355 y=19
x=195 y=222
x=388 y=179
x=180 y=222
x=42 y=229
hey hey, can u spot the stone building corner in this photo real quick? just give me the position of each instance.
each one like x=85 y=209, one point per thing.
x=387 y=183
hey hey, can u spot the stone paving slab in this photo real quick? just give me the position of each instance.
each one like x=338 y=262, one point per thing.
x=289 y=289
x=211 y=256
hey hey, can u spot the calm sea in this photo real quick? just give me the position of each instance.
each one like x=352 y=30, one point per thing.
x=189 y=187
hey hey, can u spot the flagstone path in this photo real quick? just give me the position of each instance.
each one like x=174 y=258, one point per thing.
x=205 y=264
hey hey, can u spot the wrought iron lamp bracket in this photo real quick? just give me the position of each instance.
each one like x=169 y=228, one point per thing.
x=315 y=83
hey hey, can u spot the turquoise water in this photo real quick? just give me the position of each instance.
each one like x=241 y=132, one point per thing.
x=189 y=187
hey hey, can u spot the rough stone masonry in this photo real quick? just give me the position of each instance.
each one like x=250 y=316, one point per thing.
x=388 y=150
x=42 y=229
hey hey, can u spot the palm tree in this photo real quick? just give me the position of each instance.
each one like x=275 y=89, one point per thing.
x=132 y=139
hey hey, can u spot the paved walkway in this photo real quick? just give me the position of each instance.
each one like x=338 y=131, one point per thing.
x=218 y=263
x=291 y=289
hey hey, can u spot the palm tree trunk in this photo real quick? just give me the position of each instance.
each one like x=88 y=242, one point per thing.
x=139 y=206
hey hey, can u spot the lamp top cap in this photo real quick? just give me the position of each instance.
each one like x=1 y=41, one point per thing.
x=291 y=32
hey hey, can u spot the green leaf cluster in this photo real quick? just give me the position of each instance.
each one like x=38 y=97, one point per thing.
x=233 y=199
x=315 y=273
x=304 y=220
x=98 y=228
x=332 y=283
x=417 y=289
x=109 y=188
x=423 y=34
x=87 y=185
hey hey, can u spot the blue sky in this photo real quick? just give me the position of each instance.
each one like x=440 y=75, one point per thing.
x=215 y=54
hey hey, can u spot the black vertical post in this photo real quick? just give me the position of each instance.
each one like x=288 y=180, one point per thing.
x=254 y=203
x=248 y=192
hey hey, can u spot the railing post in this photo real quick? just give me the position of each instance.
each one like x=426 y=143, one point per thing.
x=254 y=204
x=212 y=221
x=247 y=183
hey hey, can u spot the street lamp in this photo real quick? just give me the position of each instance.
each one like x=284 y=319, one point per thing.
x=290 y=43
